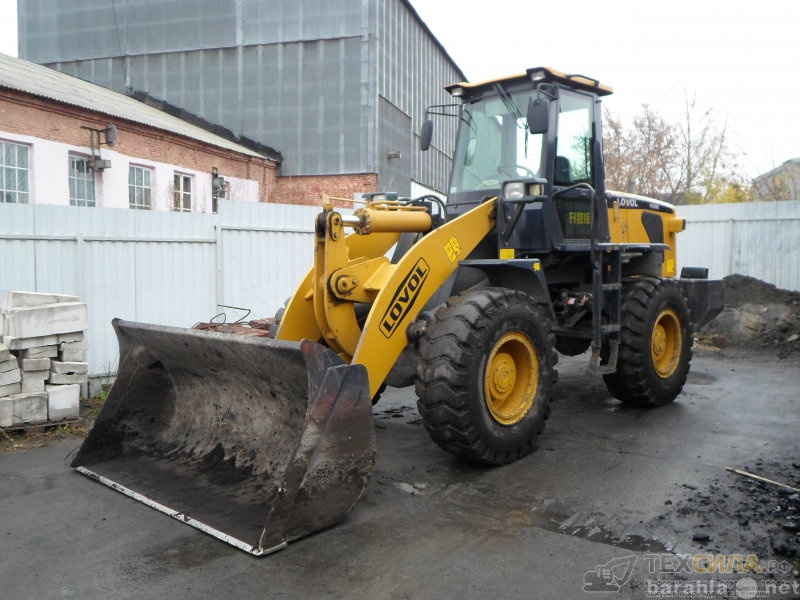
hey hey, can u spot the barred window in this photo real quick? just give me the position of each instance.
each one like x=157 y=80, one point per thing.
x=81 y=182
x=182 y=193
x=140 y=193
x=14 y=173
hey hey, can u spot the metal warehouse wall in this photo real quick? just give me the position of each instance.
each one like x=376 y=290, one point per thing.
x=310 y=78
x=412 y=72
x=759 y=239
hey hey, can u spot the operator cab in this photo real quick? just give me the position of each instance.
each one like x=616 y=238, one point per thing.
x=535 y=140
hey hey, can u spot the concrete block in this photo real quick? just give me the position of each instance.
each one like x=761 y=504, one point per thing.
x=35 y=364
x=40 y=352
x=75 y=336
x=29 y=408
x=94 y=388
x=72 y=356
x=47 y=319
x=31 y=385
x=23 y=343
x=10 y=389
x=16 y=299
x=2 y=324
x=6 y=412
x=5 y=353
x=63 y=401
x=77 y=345
x=9 y=364
x=12 y=376
x=57 y=366
x=35 y=375
x=68 y=378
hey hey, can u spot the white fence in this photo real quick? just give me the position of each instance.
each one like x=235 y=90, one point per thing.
x=760 y=239
x=178 y=269
x=157 y=267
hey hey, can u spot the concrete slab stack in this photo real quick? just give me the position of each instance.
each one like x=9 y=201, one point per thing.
x=42 y=357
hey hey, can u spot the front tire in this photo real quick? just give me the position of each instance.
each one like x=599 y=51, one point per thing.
x=485 y=375
x=655 y=346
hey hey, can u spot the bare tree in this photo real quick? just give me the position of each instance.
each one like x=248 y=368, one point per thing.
x=685 y=163
x=645 y=153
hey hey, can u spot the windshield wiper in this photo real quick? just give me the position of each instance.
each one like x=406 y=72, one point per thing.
x=510 y=105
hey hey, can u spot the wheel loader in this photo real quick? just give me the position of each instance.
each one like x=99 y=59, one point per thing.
x=262 y=441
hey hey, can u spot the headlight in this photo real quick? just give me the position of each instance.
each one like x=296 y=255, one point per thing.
x=514 y=190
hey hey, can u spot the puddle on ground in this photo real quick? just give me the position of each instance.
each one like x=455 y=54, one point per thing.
x=594 y=532
x=482 y=508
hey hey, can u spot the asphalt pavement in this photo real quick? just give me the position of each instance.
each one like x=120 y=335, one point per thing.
x=610 y=505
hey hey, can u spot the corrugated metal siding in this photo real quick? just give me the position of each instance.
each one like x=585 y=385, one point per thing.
x=291 y=21
x=91 y=29
x=412 y=72
x=760 y=239
x=395 y=141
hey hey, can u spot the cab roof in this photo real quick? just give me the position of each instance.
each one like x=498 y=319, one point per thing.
x=537 y=74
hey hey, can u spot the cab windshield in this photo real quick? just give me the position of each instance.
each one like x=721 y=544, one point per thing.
x=494 y=144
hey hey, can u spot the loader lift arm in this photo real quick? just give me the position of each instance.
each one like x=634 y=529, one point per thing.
x=354 y=269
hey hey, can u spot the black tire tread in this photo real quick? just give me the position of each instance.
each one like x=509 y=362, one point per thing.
x=443 y=372
x=633 y=383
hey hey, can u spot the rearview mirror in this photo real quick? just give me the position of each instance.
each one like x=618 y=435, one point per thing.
x=425 y=135
x=538 y=115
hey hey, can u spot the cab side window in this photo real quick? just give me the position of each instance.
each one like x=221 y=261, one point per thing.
x=573 y=163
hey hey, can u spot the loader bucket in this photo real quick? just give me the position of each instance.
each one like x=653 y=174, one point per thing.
x=255 y=441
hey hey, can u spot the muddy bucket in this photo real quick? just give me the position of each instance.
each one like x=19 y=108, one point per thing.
x=255 y=441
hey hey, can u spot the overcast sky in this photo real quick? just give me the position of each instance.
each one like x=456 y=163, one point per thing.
x=740 y=59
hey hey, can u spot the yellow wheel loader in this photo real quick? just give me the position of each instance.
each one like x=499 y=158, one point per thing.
x=261 y=441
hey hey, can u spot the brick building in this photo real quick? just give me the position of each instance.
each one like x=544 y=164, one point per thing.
x=56 y=147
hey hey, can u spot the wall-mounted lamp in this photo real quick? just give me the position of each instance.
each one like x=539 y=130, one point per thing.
x=97 y=138
x=218 y=188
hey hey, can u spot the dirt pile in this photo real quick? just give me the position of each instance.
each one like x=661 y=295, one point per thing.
x=756 y=315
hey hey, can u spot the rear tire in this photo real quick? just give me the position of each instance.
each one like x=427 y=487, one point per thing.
x=655 y=346
x=485 y=375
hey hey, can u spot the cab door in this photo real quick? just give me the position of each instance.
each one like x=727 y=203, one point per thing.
x=574 y=163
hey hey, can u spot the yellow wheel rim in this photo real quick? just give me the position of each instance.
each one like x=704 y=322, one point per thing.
x=666 y=343
x=511 y=378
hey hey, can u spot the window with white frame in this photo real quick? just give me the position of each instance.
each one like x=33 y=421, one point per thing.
x=81 y=181
x=14 y=173
x=182 y=193
x=140 y=192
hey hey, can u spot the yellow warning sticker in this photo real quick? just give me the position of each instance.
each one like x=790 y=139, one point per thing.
x=453 y=249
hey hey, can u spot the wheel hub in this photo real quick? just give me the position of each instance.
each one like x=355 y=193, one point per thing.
x=503 y=376
x=511 y=378
x=666 y=343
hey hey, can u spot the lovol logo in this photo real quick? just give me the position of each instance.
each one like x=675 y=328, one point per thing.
x=404 y=297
